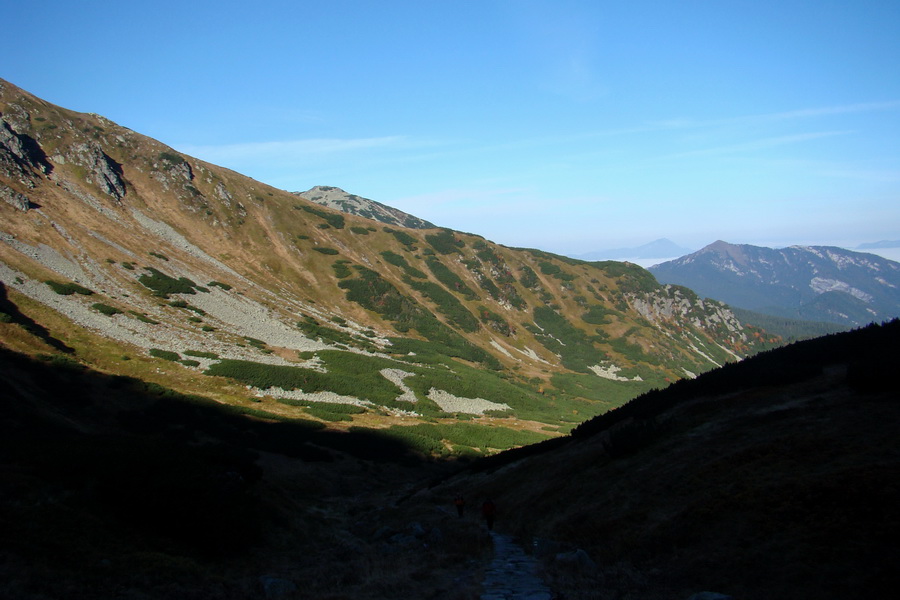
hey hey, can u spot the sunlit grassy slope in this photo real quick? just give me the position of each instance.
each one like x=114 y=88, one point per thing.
x=140 y=261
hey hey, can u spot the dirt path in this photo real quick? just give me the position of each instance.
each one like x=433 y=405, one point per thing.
x=512 y=574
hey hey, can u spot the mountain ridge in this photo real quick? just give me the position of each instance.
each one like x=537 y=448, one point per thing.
x=338 y=199
x=815 y=283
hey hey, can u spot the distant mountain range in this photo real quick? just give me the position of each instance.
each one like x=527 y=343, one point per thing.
x=338 y=199
x=661 y=248
x=816 y=283
x=879 y=245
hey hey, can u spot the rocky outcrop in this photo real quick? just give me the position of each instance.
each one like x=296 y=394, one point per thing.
x=175 y=173
x=14 y=198
x=223 y=194
x=21 y=157
x=680 y=304
x=101 y=170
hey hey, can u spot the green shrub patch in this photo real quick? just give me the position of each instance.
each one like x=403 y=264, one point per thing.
x=434 y=439
x=162 y=285
x=447 y=304
x=341 y=270
x=399 y=261
x=354 y=376
x=402 y=237
x=335 y=220
x=561 y=337
x=494 y=321
x=164 y=354
x=450 y=279
x=445 y=241
x=106 y=309
x=327 y=411
x=67 y=289
x=201 y=354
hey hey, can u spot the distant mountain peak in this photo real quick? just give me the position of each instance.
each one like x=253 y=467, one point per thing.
x=659 y=248
x=822 y=283
x=879 y=245
x=736 y=252
x=338 y=199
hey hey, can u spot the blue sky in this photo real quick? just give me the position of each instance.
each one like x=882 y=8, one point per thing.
x=570 y=126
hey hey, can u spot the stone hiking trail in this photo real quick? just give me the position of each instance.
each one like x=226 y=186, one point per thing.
x=512 y=574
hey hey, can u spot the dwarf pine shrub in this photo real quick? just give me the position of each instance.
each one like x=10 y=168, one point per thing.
x=106 y=309
x=164 y=354
x=69 y=288
x=162 y=285
x=450 y=279
x=201 y=354
x=445 y=241
x=335 y=220
x=447 y=304
x=402 y=237
x=341 y=270
x=399 y=261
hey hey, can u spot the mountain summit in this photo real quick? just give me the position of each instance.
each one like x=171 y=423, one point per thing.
x=815 y=283
x=338 y=199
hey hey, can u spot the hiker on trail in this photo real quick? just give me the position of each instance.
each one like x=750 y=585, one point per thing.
x=489 y=511
x=460 y=504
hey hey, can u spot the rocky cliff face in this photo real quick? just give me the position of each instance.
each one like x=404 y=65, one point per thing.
x=812 y=282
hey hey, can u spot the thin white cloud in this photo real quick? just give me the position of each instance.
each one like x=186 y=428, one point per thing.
x=872 y=175
x=455 y=199
x=834 y=110
x=761 y=144
x=686 y=123
x=803 y=113
x=291 y=149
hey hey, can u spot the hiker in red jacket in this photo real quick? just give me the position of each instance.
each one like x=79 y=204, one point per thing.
x=489 y=511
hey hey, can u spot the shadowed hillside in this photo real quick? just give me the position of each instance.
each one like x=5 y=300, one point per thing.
x=112 y=487
x=773 y=478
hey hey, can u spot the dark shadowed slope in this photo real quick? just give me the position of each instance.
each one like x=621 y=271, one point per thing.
x=778 y=477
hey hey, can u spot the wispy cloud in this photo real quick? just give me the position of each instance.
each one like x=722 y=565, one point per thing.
x=478 y=199
x=833 y=110
x=293 y=150
x=803 y=113
x=676 y=124
x=760 y=144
